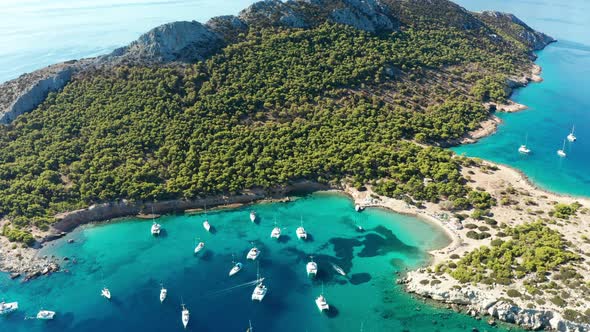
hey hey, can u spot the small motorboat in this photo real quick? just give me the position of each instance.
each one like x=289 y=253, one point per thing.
x=322 y=303
x=253 y=254
x=311 y=268
x=207 y=226
x=163 y=294
x=8 y=307
x=199 y=247
x=106 y=293
x=45 y=315
x=358 y=208
x=185 y=316
x=156 y=229
x=338 y=269
x=237 y=268
x=252 y=216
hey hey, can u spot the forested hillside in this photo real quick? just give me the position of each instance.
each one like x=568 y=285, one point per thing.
x=329 y=103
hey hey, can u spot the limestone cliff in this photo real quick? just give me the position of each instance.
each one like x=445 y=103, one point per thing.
x=513 y=27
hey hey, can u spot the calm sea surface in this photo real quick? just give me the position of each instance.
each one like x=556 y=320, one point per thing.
x=125 y=257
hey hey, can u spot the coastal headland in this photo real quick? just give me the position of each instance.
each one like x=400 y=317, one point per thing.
x=371 y=129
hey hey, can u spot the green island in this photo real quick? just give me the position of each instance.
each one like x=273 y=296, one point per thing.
x=330 y=104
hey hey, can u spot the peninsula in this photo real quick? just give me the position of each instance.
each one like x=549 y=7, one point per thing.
x=359 y=96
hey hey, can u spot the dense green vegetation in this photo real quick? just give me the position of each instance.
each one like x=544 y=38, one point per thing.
x=565 y=211
x=276 y=107
x=531 y=248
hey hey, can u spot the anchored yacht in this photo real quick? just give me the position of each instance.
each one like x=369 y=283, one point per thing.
x=207 y=226
x=185 y=316
x=253 y=253
x=561 y=152
x=571 y=137
x=8 y=307
x=312 y=268
x=163 y=293
x=252 y=216
x=338 y=269
x=199 y=247
x=276 y=232
x=260 y=290
x=45 y=315
x=322 y=303
x=156 y=229
x=237 y=268
x=105 y=292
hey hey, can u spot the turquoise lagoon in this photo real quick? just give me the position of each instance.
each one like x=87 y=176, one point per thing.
x=561 y=101
x=125 y=257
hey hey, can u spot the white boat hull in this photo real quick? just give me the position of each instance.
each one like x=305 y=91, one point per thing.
x=253 y=254
x=237 y=268
x=45 y=315
x=6 y=308
x=322 y=304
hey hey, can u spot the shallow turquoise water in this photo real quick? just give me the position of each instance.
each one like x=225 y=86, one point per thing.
x=556 y=104
x=124 y=256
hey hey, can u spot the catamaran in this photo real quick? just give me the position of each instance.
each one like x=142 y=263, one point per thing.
x=163 y=293
x=237 y=267
x=252 y=216
x=106 y=293
x=312 y=268
x=8 y=307
x=199 y=247
x=207 y=225
x=321 y=302
x=561 y=152
x=276 y=232
x=571 y=137
x=45 y=315
x=253 y=253
x=185 y=316
x=338 y=269
x=301 y=233
x=260 y=290
x=156 y=229
x=523 y=148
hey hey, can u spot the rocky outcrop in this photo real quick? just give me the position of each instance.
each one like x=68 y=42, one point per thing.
x=479 y=302
x=517 y=29
x=368 y=15
x=177 y=41
x=26 y=92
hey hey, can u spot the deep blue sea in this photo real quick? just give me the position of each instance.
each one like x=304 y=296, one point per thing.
x=125 y=257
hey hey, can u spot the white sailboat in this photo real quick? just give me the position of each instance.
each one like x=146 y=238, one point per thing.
x=523 y=148
x=106 y=293
x=321 y=302
x=253 y=253
x=237 y=267
x=156 y=229
x=185 y=316
x=276 y=232
x=207 y=225
x=8 y=307
x=571 y=137
x=300 y=231
x=163 y=293
x=199 y=247
x=252 y=216
x=260 y=290
x=311 y=268
x=45 y=315
x=561 y=152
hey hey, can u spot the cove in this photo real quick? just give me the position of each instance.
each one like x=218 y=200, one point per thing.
x=124 y=256
x=555 y=105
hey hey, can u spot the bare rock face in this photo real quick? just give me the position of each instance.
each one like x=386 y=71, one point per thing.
x=368 y=15
x=516 y=28
x=177 y=41
x=26 y=92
